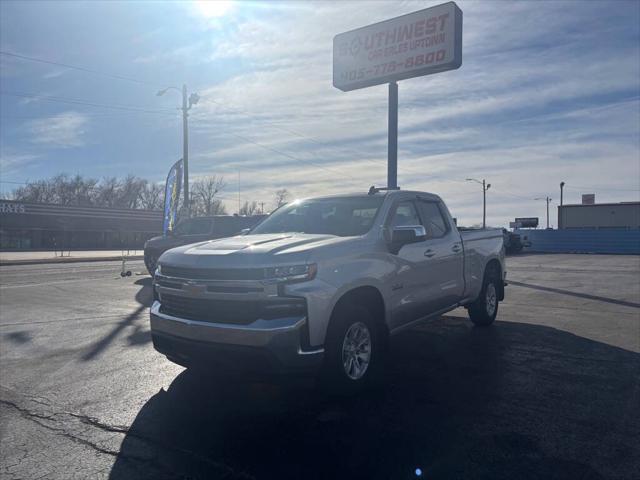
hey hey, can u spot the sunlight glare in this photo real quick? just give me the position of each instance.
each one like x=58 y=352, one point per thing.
x=213 y=8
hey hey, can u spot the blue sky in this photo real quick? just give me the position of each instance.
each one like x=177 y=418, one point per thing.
x=548 y=91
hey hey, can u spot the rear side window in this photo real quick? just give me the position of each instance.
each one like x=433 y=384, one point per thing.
x=405 y=215
x=433 y=219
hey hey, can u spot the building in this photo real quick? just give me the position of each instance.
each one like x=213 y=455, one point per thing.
x=36 y=226
x=624 y=215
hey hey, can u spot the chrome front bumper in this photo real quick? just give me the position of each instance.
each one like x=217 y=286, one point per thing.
x=274 y=344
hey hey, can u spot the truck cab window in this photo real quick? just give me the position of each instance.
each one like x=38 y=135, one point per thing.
x=405 y=215
x=434 y=222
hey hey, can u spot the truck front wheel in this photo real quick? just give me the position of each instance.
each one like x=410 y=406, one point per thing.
x=484 y=310
x=352 y=350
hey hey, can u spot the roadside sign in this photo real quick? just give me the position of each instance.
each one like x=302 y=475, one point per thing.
x=420 y=43
x=588 y=199
x=527 y=222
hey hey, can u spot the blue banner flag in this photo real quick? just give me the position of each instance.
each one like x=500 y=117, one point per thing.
x=172 y=197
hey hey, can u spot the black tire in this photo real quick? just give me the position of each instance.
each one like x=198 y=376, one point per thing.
x=151 y=262
x=348 y=320
x=484 y=310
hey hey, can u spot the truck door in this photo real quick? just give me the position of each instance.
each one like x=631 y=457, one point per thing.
x=443 y=279
x=408 y=287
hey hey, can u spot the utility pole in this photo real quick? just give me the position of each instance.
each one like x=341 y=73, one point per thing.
x=548 y=200
x=485 y=187
x=188 y=101
x=185 y=149
x=560 y=223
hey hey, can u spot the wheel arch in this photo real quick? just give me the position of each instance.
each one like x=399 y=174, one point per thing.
x=366 y=296
x=494 y=266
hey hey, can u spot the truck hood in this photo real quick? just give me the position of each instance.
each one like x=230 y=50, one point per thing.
x=251 y=250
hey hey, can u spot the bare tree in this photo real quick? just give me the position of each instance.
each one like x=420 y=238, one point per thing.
x=131 y=191
x=108 y=192
x=40 y=191
x=204 y=191
x=111 y=192
x=61 y=189
x=151 y=196
x=249 y=208
x=281 y=197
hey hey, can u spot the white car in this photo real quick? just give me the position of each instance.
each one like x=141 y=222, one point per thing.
x=321 y=285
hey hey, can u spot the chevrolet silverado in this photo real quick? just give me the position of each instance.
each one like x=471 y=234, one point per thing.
x=322 y=284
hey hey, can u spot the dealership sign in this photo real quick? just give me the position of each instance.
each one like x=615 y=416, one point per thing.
x=419 y=43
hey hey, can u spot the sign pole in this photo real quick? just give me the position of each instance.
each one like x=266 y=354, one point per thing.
x=392 y=150
x=420 y=43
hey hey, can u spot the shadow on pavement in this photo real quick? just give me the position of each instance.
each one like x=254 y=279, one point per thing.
x=588 y=296
x=144 y=297
x=511 y=401
x=19 y=338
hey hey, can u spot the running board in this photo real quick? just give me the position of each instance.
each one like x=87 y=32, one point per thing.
x=422 y=319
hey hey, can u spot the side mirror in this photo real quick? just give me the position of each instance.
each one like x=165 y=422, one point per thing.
x=405 y=235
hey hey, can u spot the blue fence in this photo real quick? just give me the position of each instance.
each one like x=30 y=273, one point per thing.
x=581 y=241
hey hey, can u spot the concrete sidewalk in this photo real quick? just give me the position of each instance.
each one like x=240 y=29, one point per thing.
x=30 y=257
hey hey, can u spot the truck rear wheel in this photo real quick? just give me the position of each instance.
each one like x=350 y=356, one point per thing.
x=484 y=310
x=352 y=350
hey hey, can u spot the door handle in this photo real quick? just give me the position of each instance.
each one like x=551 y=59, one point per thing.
x=456 y=248
x=429 y=253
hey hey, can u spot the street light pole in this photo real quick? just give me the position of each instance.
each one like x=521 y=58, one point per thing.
x=484 y=205
x=188 y=101
x=547 y=199
x=560 y=222
x=485 y=187
x=185 y=149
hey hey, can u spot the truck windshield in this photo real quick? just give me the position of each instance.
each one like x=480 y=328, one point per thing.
x=341 y=216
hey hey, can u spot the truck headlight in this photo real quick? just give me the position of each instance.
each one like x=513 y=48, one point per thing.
x=292 y=273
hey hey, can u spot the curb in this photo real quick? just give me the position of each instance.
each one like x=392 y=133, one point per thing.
x=39 y=261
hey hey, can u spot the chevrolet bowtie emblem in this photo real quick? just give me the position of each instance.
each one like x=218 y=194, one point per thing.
x=194 y=288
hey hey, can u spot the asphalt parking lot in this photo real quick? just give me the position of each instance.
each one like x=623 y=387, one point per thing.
x=551 y=390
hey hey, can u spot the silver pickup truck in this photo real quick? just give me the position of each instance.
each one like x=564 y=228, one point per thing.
x=321 y=285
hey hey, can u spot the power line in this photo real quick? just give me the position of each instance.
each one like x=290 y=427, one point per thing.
x=88 y=114
x=578 y=187
x=75 y=101
x=280 y=152
x=318 y=141
x=76 y=67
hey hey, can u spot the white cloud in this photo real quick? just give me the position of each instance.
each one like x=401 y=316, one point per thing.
x=513 y=113
x=64 y=130
x=10 y=162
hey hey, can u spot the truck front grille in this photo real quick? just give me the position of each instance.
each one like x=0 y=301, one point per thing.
x=238 y=312
x=194 y=273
